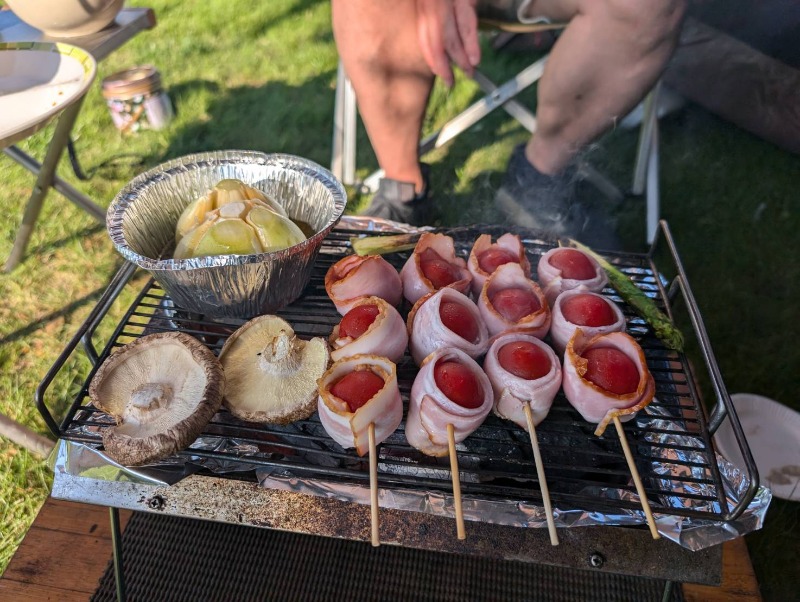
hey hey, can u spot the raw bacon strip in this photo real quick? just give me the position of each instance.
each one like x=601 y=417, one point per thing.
x=554 y=281
x=594 y=403
x=385 y=337
x=385 y=408
x=428 y=332
x=512 y=392
x=430 y=410
x=416 y=284
x=561 y=330
x=355 y=277
x=484 y=254
x=512 y=276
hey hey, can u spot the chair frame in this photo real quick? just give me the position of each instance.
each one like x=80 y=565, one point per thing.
x=645 y=173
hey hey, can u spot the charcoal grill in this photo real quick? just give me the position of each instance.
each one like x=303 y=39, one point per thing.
x=496 y=462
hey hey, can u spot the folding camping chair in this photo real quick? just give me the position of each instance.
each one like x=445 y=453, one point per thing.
x=645 y=175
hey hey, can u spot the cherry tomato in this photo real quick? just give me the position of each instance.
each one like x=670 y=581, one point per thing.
x=459 y=319
x=524 y=359
x=612 y=370
x=493 y=258
x=357 y=320
x=515 y=303
x=573 y=264
x=357 y=388
x=459 y=383
x=588 y=310
x=439 y=271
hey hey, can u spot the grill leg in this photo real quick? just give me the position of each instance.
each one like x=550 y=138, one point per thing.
x=668 y=587
x=116 y=542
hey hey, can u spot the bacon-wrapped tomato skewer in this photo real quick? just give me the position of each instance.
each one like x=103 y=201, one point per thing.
x=371 y=327
x=510 y=301
x=450 y=398
x=446 y=319
x=525 y=375
x=485 y=257
x=606 y=379
x=434 y=265
x=593 y=313
x=354 y=277
x=359 y=406
x=563 y=269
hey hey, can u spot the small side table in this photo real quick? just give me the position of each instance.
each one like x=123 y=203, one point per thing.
x=129 y=23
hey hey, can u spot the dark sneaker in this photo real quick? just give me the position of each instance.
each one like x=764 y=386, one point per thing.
x=399 y=202
x=531 y=199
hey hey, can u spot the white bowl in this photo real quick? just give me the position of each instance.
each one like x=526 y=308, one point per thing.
x=66 y=18
x=38 y=80
x=772 y=431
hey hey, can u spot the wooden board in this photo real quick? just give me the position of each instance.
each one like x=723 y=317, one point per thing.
x=66 y=551
x=738 y=578
x=63 y=555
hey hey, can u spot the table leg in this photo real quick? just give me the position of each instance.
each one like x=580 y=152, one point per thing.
x=116 y=542
x=44 y=182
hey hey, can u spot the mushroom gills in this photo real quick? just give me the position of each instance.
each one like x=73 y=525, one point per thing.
x=162 y=390
x=272 y=374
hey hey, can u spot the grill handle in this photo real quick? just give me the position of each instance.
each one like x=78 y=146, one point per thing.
x=723 y=407
x=116 y=285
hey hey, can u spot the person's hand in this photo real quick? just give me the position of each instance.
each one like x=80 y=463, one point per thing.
x=448 y=33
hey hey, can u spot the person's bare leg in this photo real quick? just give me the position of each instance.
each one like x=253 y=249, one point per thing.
x=377 y=42
x=604 y=63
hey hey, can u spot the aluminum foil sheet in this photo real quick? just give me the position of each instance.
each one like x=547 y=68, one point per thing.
x=78 y=459
x=691 y=533
x=141 y=223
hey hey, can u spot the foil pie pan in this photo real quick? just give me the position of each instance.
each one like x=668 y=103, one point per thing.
x=141 y=223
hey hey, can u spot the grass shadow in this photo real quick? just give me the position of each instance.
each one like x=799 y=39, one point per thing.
x=274 y=117
x=50 y=246
x=62 y=312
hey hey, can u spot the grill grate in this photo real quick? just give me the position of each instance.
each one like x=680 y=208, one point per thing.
x=496 y=461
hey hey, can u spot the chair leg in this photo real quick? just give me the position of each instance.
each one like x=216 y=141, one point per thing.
x=343 y=148
x=350 y=125
x=653 y=189
x=337 y=144
x=646 y=170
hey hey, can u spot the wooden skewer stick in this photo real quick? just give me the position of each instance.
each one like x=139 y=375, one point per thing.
x=537 y=456
x=373 y=485
x=637 y=480
x=451 y=440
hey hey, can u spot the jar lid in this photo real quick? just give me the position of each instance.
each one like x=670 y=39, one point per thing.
x=132 y=82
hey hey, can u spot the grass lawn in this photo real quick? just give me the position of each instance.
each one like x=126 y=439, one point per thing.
x=264 y=78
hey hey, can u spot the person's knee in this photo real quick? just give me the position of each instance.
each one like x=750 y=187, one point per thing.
x=650 y=24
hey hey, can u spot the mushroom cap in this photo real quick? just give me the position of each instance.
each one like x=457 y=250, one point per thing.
x=162 y=389
x=271 y=374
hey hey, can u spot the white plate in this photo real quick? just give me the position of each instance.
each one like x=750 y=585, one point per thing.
x=37 y=81
x=772 y=431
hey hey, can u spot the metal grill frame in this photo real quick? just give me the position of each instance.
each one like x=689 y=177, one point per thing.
x=577 y=464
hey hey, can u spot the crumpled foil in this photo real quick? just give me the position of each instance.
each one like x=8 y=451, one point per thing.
x=78 y=459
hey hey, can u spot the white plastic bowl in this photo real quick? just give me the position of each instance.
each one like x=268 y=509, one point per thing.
x=772 y=431
x=66 y=18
